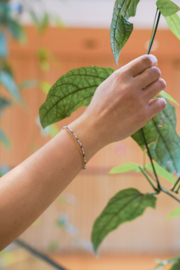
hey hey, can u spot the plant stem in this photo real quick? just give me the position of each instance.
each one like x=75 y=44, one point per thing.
x=168 y=193
x=175 y=185
x=149 y=154
x=142 y=170
x=154 y=34
x=153 y=27
x=148 y=173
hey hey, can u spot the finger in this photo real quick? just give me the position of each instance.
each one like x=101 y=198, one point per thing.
x=148 y=77
x=156 y=106
x=152 y=90
x=140 y=64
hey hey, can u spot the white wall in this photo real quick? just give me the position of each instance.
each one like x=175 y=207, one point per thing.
x=97 y=13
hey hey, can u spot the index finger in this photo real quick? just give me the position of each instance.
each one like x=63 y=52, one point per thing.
x=139 y=65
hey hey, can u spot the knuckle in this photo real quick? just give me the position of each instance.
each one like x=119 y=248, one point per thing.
x=155 y=72
x=161 y=103
x=162 y=83
x=117 y=74
x=147 y=60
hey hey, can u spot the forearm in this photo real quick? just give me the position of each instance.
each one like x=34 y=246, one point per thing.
x=27 y=190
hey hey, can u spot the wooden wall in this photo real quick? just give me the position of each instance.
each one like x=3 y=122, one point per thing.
x=93 y=187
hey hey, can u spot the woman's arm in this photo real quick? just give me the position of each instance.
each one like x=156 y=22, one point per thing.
x=119 y=108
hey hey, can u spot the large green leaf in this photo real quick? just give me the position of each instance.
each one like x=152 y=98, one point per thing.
x=174 y=24
x=125 y=206
x=119 y=35
x=121 y=29
x=127 y=167
x=71 y=91
x=162 y=139
x=167 y=7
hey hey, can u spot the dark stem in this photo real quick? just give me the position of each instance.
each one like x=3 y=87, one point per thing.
x=142 y=132
x=143 y=171
x=175 y=185
x=152 y=164
x=39 y=255
x=154 y=34
x=170 y=194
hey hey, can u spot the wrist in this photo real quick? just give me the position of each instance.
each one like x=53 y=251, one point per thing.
x=87 y=131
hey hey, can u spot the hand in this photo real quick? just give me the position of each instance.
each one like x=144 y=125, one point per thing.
x=123 y=103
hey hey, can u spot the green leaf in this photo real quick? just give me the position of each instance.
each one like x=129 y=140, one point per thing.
x=119 y=35
x=162 y=139
x=8 y=82
x=3 y=104
x=16 y=30
x=176 y=266
x=4 y=139
x=161 y=172
x=121 y=29
x=3 y=45
x=71 y=91
x=175 y=213
x=125 y=206
x=174 y=24
x=167 y=7
x=127 y=167
x=168 y=97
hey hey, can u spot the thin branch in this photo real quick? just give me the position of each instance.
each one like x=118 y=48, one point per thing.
x=171 y=195
x=142 y=170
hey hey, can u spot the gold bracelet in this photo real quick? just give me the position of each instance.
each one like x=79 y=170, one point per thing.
x=79 y=144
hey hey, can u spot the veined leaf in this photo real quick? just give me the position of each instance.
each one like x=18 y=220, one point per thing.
x=167 y=7
x=175 y=213
x=161 y=172
x=168 y=97
x=8 y=82
x=174 y=24
x=4 y=139
x=121 y=29
x=119 y=35
x=127 y=167
x=162 y=139
x=71 y=91
x=125 y=206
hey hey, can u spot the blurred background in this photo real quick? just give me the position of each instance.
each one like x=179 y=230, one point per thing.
x=41 y=40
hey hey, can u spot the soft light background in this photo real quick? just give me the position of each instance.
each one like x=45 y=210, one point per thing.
x=85 y=42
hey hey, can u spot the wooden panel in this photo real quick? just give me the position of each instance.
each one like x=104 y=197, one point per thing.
x=92 y=188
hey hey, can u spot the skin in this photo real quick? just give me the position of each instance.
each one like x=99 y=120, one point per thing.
x=121 y=105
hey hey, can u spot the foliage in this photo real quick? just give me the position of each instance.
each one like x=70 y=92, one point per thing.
x=158 y=136
x=125 y=206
